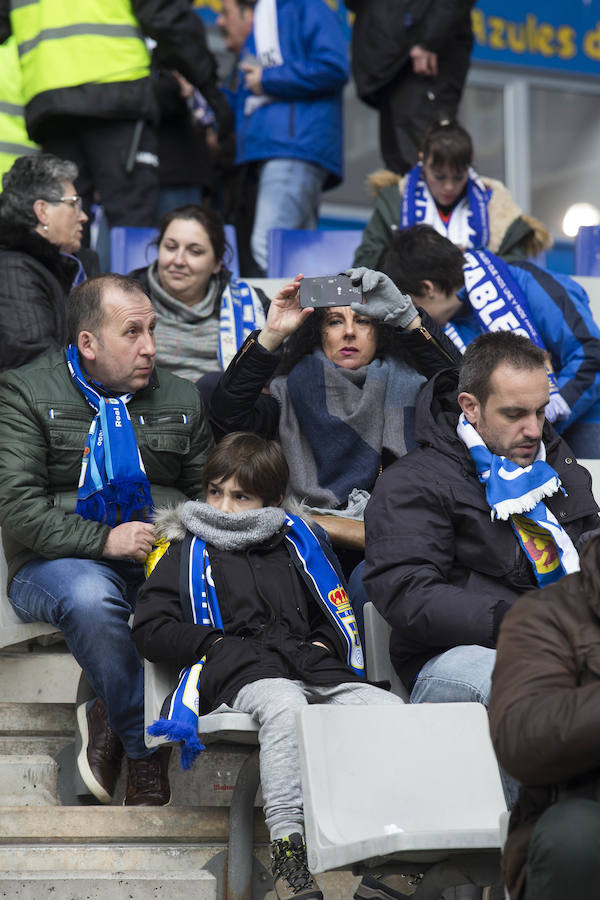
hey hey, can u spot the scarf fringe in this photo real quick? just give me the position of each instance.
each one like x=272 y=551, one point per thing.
x=504 y=509
x=178 y=733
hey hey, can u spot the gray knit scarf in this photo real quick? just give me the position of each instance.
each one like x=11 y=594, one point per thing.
x=334 y=424
x=186 y=336
x=231 y=531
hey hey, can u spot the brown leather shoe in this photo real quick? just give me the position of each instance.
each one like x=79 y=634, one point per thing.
x=99 y=756
x=148 y=780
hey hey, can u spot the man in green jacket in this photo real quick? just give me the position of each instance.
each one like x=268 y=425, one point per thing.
x=90 y=441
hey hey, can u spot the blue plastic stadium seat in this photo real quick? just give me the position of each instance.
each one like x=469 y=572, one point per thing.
x=130 y=249
x=311 y=252
x=587 y=250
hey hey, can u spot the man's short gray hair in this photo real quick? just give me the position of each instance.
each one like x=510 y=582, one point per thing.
x=35 y=177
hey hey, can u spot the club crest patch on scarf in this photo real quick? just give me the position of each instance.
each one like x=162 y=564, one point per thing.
x=539 y=545
x=179 y=716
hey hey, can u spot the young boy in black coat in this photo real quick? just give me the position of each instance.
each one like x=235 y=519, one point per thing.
x=250 y=601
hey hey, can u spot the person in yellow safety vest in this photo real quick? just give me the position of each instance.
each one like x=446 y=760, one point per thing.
x=88 y=93
x=14 y=140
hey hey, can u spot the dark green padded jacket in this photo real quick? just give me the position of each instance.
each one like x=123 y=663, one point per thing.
x=44 y=421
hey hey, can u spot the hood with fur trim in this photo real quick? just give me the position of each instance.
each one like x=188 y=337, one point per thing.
x=502 y=210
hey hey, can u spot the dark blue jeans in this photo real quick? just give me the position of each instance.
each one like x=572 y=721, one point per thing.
x=91 y=602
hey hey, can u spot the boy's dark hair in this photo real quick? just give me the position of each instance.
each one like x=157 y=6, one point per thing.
x=85 y=311
x=420 y=254
x=447 y=143
x=257 y=464
x=488 y=351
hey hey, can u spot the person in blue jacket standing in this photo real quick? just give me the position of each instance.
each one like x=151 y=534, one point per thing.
x=287 y=99
x=477 y=292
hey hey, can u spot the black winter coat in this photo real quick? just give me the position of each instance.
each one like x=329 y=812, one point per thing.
x=436 y=567
x=35 y=280
x=385 y=30
x=270 y=617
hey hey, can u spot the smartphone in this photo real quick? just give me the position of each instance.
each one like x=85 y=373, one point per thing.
x=329 y=290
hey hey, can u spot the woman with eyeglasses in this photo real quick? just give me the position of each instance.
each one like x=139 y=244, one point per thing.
x=41 y=225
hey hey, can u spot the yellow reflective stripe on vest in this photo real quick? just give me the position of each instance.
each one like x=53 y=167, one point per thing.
x=84 y=28
x=59 y=50
x=11 y=109
x=14 y=140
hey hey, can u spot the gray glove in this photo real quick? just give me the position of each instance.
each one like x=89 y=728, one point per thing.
x=383 y=299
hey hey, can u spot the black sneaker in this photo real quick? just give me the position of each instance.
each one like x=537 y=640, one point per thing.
x=390 y=887
x=290 y=869
x=99 y=750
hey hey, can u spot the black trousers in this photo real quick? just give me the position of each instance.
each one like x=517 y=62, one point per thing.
x=117 y=162
x=563 y=862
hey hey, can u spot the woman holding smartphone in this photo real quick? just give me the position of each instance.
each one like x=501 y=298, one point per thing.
x=342 y=402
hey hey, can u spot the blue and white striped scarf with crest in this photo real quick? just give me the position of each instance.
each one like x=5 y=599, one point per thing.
x=182 y=708
x=517 y=493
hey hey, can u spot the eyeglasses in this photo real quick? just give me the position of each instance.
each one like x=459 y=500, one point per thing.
x=74 y=202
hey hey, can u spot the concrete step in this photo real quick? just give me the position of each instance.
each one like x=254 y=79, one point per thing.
x=37 y=719
x=106 y=858
x=28 y=781
x=76 y=885
x=119 y=825
x=116 y=839
x=35 y=728
x=46 y=676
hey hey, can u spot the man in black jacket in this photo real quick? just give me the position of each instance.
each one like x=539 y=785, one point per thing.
x=410 y=61
x=448 y=546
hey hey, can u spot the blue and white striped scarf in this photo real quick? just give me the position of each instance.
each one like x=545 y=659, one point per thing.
x=241 y=314
x=517 y=493
x=180 y=723
x=113 y=486
x=468 y=225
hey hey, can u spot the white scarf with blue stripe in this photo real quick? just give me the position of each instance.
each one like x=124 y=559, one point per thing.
x=180 y=724
x=468 y=225
x=517 y=493
x=241 y=313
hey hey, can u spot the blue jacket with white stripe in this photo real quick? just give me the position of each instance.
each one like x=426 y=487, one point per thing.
x=560 y=309
x=303 y=118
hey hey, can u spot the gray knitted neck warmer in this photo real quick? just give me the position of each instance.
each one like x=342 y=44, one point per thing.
x=175 y=309
x=232 y=531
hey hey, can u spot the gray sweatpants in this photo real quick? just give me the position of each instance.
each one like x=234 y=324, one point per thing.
x=272 y=702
